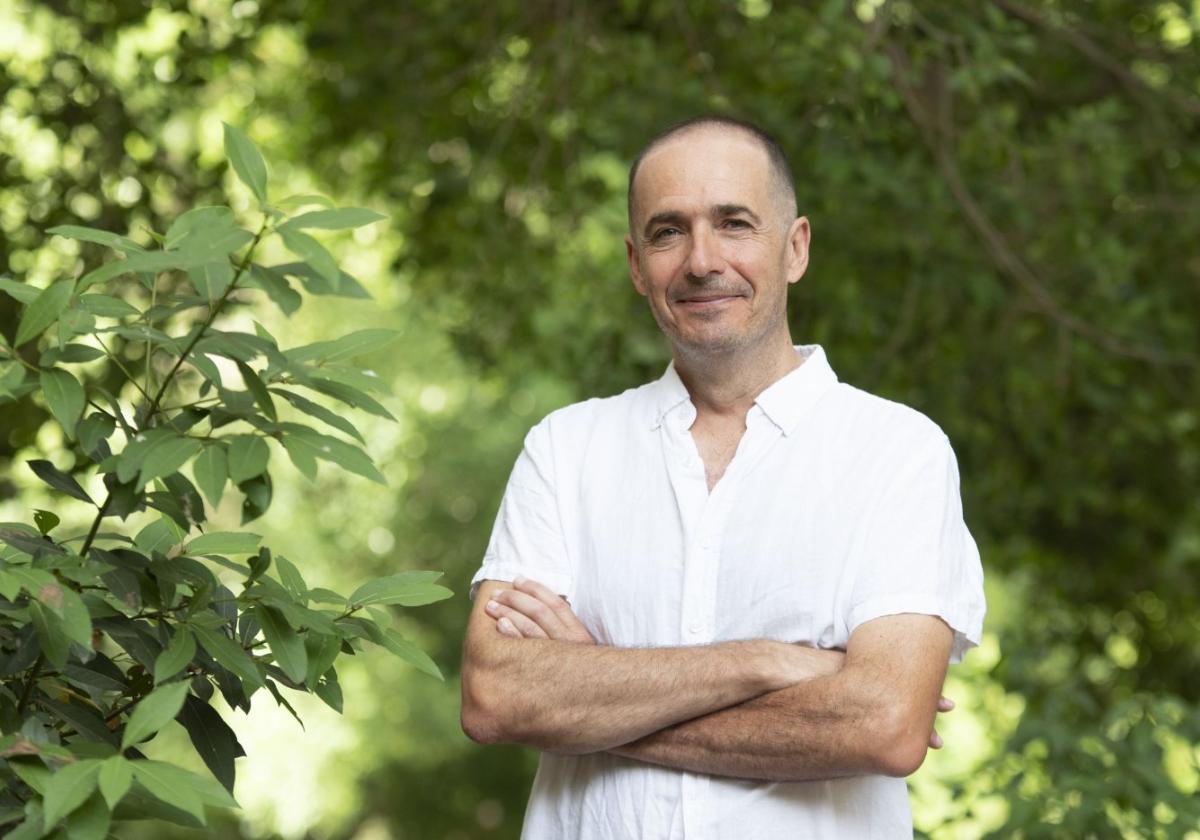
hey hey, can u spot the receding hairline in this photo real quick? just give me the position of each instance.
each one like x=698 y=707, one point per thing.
x=781 y=172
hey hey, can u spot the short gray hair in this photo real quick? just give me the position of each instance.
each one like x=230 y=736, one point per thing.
x=780 y=169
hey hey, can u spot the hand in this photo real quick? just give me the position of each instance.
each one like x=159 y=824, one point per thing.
x=532 y=611
x=945 y=704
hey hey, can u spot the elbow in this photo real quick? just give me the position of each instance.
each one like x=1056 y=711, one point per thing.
x=481 y=719
x=900 y=744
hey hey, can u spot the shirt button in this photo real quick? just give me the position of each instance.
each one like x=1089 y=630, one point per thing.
x=695 y=629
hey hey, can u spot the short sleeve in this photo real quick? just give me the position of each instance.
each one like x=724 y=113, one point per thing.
x=917 y=555
x=527 y=537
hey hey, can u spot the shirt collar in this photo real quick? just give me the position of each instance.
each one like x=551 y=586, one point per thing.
x=783 y=402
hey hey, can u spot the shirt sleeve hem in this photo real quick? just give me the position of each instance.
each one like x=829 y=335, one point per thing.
x=966 y=620
x=560 y=582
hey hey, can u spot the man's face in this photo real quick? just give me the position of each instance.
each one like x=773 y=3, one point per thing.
x=712 y=248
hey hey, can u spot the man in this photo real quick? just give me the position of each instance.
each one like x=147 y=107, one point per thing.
x=722 y=604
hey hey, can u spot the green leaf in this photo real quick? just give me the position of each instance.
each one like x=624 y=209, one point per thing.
x=301 y=455
x=22 y=292
x=43 y=311
x=229 y=654
x=213 y=739
x=91 y=820
x=93 y=429
x=70 y=354
x=285 y=643
x=262 y=397
x=161 y=535
x=106 y=306
x=328 y=689
x=322 y=650
x=30 y=541
x=248 y=457
x=212 y=278
x=303 y=200
x=66 y=604
x=276 y=286
x=99 y=237
x=408 y=589
x=257 y=494
x=350 y=396
x=176 y=656
x=59 y=480
x=291 y=578
x=148 y=262
x=313 y=253
x=329 y=448
x=224 y=542
x=68 y=788
x=320 y=412
x=314 y=283
x=348 y=346
x=116 y=775
x=129 y=461
x=247 y=162
x=45 y=520
x=211 y=471
x=410 y=653
x=163 y=782
x=166 y=457
x=195 y=230
x=65 y=397
x=155 y=710
x=340 y=218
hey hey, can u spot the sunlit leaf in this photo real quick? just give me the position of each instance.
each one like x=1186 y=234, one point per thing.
x=175 y=656
x=69 y=787
x=154 y=711
x=247 y=457
x=211 y=471
x=247 y=161
x=224 y=542
x=333 y=219
x=116 y=775
x=43 y=311
x=285 y=643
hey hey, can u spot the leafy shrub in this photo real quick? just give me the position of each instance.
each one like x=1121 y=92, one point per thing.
x=107 y=636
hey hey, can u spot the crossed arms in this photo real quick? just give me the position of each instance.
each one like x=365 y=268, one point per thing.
x=755 y=709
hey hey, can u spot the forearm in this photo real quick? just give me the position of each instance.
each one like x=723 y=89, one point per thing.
x=824 y=728
x=564 y=697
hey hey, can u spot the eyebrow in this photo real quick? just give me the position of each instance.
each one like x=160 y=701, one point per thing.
x=720 y=210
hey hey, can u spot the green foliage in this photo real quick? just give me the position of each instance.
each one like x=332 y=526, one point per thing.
x=1003 y=205
x=108 y=636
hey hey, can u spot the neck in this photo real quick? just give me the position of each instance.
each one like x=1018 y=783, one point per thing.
x=723 y=385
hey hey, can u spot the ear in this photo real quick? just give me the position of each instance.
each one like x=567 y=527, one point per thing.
x=796 y=257
x=635 y=270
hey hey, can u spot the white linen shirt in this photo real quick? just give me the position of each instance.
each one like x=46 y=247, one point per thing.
x=838 y=507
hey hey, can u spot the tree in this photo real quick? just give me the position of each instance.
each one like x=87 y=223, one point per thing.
x=109 y=635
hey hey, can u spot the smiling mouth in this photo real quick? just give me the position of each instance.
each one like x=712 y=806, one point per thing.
x=701 y=299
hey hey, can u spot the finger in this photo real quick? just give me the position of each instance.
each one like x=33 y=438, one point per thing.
x=505 y=627
x=945 y=704
x=531 y=608
x=557 y=603
x=935 y=740
x=528 y=629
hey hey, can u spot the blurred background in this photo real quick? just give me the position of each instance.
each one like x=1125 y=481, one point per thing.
x=1006 y=224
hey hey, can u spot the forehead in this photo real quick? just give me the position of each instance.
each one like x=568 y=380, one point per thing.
x=702 y=168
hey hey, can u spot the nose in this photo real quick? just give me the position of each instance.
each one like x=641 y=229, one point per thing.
x=705 y=257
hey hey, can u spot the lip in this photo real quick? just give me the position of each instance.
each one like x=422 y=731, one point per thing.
x=706 y=301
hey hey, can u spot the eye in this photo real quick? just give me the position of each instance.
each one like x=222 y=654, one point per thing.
x=664 y=233
x=737 y=224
